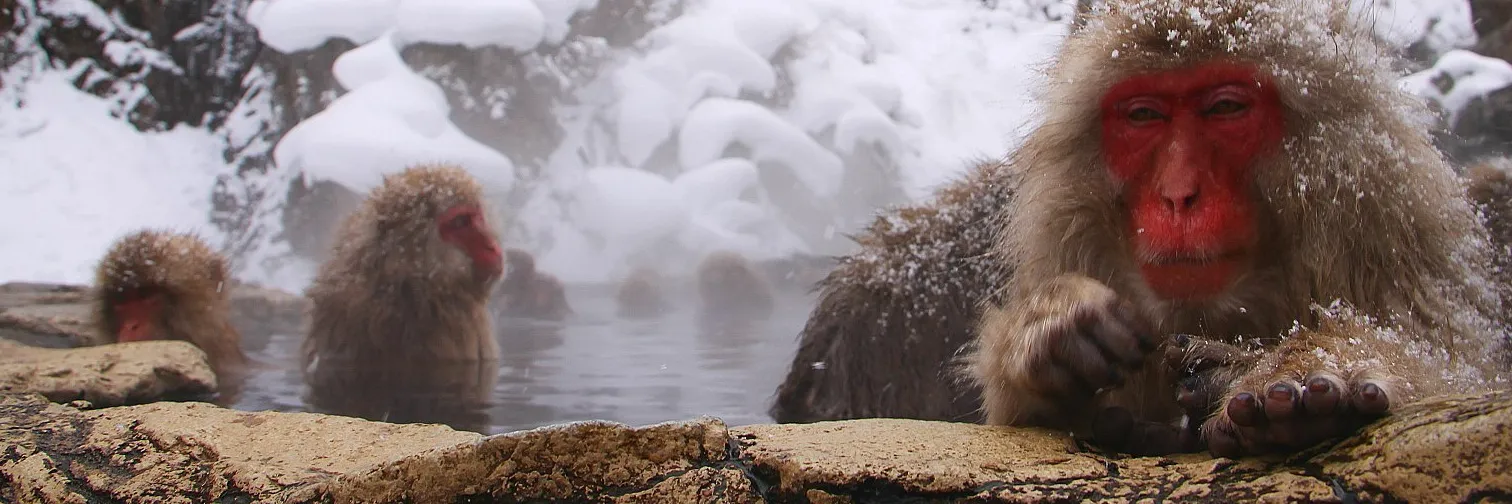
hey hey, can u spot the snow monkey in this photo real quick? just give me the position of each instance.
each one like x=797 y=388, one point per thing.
x=728 y=286
x=161 y=285
x=406 y=287
x=641 y=296
x=1230 y=180
x=891 y=317
x=527 y=292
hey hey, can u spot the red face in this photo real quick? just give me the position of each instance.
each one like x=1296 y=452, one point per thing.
x=463 y=226
x=136 y=317
x=1183 y=143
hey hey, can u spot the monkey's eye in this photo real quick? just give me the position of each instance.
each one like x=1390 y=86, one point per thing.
x=1140 y=114
x=459 y=221
x=1226 y=107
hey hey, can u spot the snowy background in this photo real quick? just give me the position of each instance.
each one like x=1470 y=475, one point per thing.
x=772 y=127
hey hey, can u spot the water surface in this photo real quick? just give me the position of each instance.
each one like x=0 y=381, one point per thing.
x=594 y=365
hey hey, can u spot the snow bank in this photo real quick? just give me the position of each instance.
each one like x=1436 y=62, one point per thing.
x=718 y=122
x=516 y=24
x=76 y=179
x=392 y=119
x=296 y=25
x=1467 y=76
x=1441 y=25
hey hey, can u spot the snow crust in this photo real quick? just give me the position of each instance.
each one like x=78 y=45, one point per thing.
x=1457 y=78
x=516 y=24
x=391 y=119
x=75 y=179
x=296 y=25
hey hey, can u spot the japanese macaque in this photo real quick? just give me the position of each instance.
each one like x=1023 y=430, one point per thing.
x=1228 y=213
x=160 y=285
x=641 y=295
x=400 y=307
x=527 y=292
x=728 y=287
x=891 y=317
x=1248 y=174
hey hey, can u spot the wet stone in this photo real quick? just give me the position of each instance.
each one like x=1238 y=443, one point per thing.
x=1452 y=449
x=108 y=375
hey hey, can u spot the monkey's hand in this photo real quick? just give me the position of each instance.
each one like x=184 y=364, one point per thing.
x=1204 y=370
x=1302 y=393
x=1044 y=360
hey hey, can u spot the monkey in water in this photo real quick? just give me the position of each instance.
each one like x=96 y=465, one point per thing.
x=641 y=296
x=528 y=292
x=399 y=327
x=161 y=285
x=729 y=287
x=1221 y=187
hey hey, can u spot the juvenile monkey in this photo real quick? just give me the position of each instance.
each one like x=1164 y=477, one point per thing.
x=1242 y=172
x=161 y=285
x=641 y=296
x=729 y=287
x=400 y=306
x=527 y=292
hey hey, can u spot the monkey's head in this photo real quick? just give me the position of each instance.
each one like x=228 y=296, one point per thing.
x=520 y=268
x=151 y=282
x=728 y=277
x=430 y=222
x=1199 y=151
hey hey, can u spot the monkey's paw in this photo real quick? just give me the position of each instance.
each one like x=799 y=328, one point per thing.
x=1288 y=416
x=1094 y=346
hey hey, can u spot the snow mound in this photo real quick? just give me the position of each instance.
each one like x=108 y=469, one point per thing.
x=718 y=122
x=393 y=119
x=1457 y=78
x=295 y=25
x=515 y=24
x=76 y=179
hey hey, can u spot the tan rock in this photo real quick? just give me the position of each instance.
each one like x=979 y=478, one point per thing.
x=1447 y=450
x=59 y=316
x=588 y=461
x=189 y=452
x=48 y=315
x=109 y=375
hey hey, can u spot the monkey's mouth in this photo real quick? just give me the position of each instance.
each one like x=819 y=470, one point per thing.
x=1190 y=275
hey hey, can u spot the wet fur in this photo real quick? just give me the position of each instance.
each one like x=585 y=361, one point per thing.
x=393 y=295
x=641 y=296
x=729 y=286
x=892 y=316
x=1357 y=204
x=527 y=292
x=193 y=279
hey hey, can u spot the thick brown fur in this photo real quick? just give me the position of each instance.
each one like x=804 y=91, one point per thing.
x=1357 y=206
x=728 y=286
x=527 y=292
x=641 y=295
x=891 y=317
x=393 y=299
x=191 y=277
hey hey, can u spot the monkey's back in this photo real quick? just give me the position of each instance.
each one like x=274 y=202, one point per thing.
x=911 y=295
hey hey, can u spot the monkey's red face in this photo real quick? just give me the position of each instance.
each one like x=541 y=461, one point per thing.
x=136 y=316
x=1183 y=144
x=464 y=227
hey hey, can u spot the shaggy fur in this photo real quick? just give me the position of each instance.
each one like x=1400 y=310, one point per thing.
x=1357 y=205
x=891 y=316
x=393 y=295
x=189 y=275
